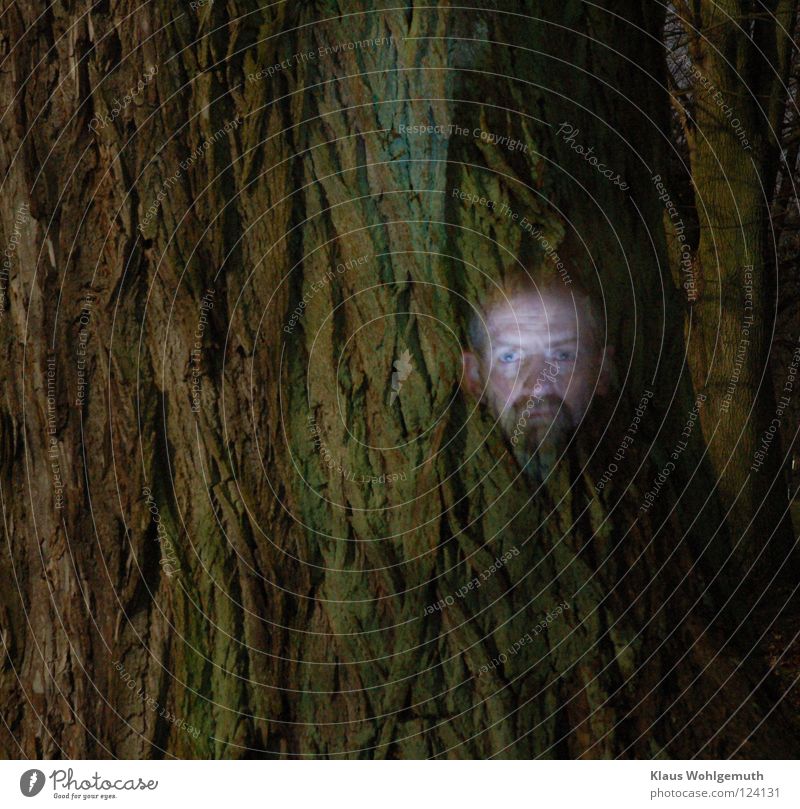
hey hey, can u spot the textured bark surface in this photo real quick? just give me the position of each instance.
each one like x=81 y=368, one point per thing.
x=227 y=565
x=740 y=54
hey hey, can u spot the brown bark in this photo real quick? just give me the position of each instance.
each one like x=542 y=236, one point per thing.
x=740 y=54
x=214 y=558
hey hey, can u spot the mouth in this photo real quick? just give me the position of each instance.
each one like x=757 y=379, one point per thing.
x=539 y=416
x=542 y=411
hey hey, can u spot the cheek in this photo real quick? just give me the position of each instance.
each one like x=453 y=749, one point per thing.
x=567 y=380
x=578 y=385
x=501 y=382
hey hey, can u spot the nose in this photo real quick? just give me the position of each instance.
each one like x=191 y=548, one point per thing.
x=540 y=377
x=544 y=387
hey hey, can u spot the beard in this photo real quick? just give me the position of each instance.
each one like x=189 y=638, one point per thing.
x=538 y=435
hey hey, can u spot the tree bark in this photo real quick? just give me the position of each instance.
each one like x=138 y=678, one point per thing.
x=740 y=54
x=229 y=574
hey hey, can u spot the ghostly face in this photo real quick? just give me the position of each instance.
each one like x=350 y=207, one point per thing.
x=542 y=363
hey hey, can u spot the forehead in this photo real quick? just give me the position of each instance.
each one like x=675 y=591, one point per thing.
x=536 y=313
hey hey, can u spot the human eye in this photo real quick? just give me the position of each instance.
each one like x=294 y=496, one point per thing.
x=563 y=355
x=510 y=355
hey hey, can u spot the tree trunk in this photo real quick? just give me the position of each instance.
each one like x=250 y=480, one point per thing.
x=740 y=57
x=261 y=551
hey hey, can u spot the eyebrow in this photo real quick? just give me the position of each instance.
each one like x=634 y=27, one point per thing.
x=518 y=343
x=499 y=348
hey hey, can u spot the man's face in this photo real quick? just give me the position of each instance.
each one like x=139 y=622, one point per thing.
x=542 y=363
